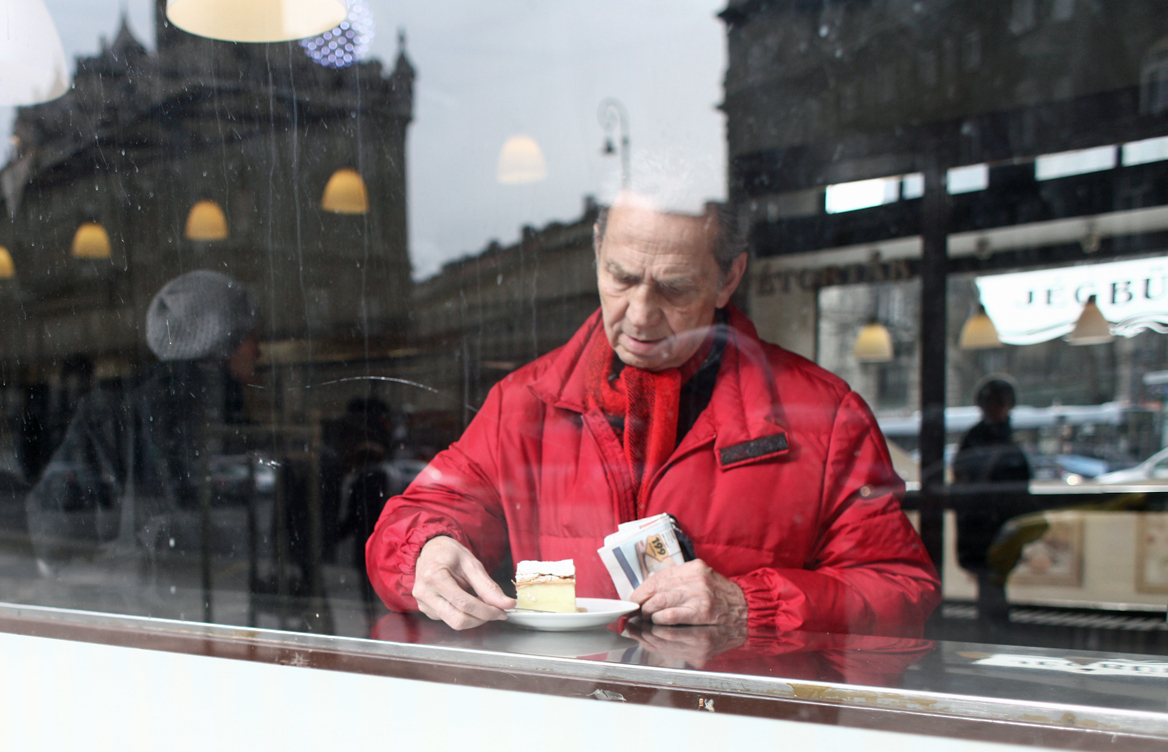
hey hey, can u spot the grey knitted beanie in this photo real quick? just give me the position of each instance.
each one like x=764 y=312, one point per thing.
x=202 y=314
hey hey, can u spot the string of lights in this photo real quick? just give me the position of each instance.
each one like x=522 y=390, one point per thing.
x=345 y=44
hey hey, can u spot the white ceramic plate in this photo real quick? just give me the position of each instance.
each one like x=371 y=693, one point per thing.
x=598 y=612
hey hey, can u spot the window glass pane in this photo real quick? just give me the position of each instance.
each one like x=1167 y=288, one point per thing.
x=387 y=320
x=1050 y=166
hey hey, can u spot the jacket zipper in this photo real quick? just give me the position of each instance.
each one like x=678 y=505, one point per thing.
x=625 y=498
x=673 y=460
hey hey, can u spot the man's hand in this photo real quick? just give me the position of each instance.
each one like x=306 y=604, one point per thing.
x=447 y=579
x=690 y=594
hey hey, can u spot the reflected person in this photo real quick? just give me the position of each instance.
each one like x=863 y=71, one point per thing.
x=992 y=475
x=666 y=400
x=130 y=461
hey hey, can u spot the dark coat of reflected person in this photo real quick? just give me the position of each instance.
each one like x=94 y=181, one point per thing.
x=130 y=461
x=365 y=445
x=991 y=475
x=666 y=400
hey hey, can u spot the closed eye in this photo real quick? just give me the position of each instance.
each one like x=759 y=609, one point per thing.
x=675 y=290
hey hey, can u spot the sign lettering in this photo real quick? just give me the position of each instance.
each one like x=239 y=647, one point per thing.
x=1032 y=307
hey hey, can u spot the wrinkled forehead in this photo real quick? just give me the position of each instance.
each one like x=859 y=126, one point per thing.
x=638 y=223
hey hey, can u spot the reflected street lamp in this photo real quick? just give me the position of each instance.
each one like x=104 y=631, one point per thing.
x=91 y=241
x=979 y=332
x=7 y=268
x=206 y=221
x=873 y=344
x=345 y=193
x=521 y=161
x=1091 y=328
x=613 y=116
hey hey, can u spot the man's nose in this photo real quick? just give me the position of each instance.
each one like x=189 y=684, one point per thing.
x=644 y=311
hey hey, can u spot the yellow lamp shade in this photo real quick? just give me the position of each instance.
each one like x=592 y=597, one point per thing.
x=345 y=193
x=1091 y=328
x=206 y=222
x=979 y=332
x=874 y=344
x=7 y=268
x=91 y=241
x=256 y=20
x=521 y=161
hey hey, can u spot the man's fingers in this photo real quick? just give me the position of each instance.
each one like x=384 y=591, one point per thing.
x=669 y=579
x=439 y=609
x=433 y=603
x=445 y=572
x=448 y=588
x=424 y=607
x=663 y=600
x=450 y=614
x=647 y=590
x=486 y=588
x=682 y=615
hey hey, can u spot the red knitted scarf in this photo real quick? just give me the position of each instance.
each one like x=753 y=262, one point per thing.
x=647 y=401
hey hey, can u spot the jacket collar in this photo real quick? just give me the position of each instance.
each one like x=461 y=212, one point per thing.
x=744 y=418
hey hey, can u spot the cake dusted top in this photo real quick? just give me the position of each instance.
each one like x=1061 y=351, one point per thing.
x=533 y=571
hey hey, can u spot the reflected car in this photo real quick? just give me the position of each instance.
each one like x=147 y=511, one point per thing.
x=1069 y=468
x=1062 y=473
x=1152 y=471
x=230 y=473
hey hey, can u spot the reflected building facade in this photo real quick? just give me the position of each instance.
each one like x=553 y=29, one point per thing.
x=139 y=140
x=823 y=94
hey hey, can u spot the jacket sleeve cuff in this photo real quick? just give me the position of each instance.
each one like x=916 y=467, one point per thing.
x=773 y=599
x=419 y=537
x=762 y=602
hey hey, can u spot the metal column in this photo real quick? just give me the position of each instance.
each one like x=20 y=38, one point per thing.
x=934 y=270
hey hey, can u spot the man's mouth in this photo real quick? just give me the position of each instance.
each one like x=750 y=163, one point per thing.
x=640 y=346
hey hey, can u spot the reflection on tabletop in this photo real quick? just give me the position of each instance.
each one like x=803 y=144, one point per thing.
x=852 y=659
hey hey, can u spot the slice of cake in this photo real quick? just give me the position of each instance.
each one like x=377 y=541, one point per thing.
x=546 y=586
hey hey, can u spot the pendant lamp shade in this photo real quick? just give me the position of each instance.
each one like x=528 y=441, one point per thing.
x=256 y=20
x=979 y=332
x=91 y=241
x=1091 y=328
x=874 y=344
x=32 y=62
x=206 y=222
x=345 y=193
x=521 y=161
x=7 y=268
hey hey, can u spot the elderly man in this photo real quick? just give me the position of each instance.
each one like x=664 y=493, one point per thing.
x=665 y=400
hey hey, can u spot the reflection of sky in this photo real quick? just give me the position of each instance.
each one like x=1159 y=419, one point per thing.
x=487 y=70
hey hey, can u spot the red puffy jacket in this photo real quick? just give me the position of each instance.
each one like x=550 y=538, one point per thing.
x=784 y=484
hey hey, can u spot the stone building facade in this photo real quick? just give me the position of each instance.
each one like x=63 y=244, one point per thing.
x=138 y=140
x=485 y=315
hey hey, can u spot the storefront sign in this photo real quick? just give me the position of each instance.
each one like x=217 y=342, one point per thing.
x=1032 y=307
x=1117 y=667
x=785 y=280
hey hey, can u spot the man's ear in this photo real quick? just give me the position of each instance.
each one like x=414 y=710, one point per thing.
x=733 y=277
x=596 y=239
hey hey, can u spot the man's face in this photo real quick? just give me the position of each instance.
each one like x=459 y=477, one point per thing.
x=659 y=284
x=242 y=363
